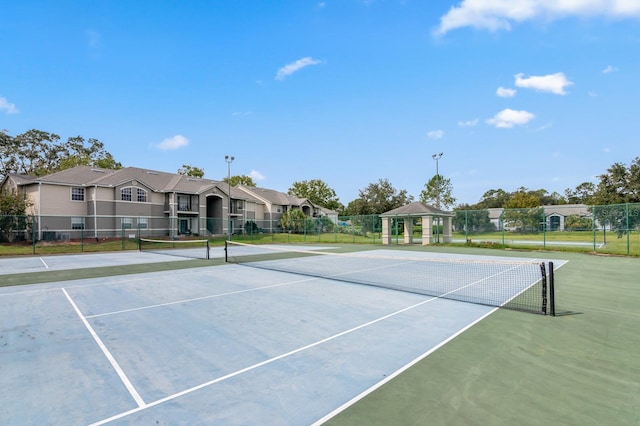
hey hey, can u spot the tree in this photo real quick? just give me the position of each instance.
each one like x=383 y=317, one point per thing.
x=493 y=198
x=241 y=180
x=616 y=189
x=619 y=185
x=38 y=153
x=378 y=198
x=523 y=211
x=546 y=199
x=294 y=220
x=576 y=222
x=13 y=208
x=471 y=220
x=317 y=192
x=78 y=153
x=522 y=199
x=438 y=191
x=187 y=170
x=31 y=153
x=582 y=194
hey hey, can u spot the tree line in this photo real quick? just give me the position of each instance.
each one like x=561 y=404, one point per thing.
x=38 y=153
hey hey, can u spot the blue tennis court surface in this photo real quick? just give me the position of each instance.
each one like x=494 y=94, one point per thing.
x=214 y=345
x=18 y=265
x=25 y=264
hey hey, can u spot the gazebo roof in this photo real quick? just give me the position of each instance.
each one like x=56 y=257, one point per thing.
x=417 y=209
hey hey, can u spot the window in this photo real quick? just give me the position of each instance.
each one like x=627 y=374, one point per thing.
x=127 y=223
x=184 y=203
x=77 y=223
x=77 y=193
x=125 y=194
x=133 y=194
x=142 y=195
x=143 y=223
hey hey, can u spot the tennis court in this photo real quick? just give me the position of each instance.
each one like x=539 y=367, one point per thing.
x=166 y=252
x=211 y=345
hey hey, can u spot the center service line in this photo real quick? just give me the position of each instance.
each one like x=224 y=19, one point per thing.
x=125 y=380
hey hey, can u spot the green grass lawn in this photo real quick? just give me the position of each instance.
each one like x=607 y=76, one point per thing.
x=588 y=241
x=584 y=241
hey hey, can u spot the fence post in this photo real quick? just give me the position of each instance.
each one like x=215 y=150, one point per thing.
x=594 y=227
x=628 y=226
x=466 y=225
x=33 y=234
x=544 y=230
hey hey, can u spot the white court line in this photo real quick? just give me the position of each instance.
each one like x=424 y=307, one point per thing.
x=195 y=299
x=398 y=372
x=260 y=364
x=125 y=380
x=44 y=263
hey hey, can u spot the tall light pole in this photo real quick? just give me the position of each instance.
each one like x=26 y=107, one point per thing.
x=437 y=157
x=229 y=160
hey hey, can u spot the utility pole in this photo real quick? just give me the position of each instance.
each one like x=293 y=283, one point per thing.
x=437 y=157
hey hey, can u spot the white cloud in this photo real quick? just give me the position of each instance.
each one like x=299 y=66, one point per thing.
x=256 y=175
x=553 y=83
x=435 y=134
x=507 y=118
x=494 y=15
x=505 y=92
x=469 y=123
x=8 y=107
x=296 y=66
x=609 y=69
x=172 y=143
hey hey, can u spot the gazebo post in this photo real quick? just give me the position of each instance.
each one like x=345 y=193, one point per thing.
x=408 y=230
x=446 y=230
x=386 y=230
x=427 y=230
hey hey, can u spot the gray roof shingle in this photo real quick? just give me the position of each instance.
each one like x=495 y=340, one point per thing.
x=415 y=209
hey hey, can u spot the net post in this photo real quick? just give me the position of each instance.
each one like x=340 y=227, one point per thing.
x=139 y=244
x=543 y=273
x=208 y=251
x=226 y=251
x=552 y=296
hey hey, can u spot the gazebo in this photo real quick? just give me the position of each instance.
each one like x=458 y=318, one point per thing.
x=411 y=211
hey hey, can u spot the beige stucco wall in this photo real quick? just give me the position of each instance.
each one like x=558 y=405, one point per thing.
x=31 y=193
x=56 y=200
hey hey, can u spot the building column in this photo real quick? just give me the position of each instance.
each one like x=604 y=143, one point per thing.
x=427 y=230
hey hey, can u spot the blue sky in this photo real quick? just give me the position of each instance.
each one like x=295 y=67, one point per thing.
x=539 y=94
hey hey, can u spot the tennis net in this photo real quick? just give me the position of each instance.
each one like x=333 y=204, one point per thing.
x=197 y=249
x=524 y=285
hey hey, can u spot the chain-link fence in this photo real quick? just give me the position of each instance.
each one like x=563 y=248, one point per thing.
x=613 y=229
